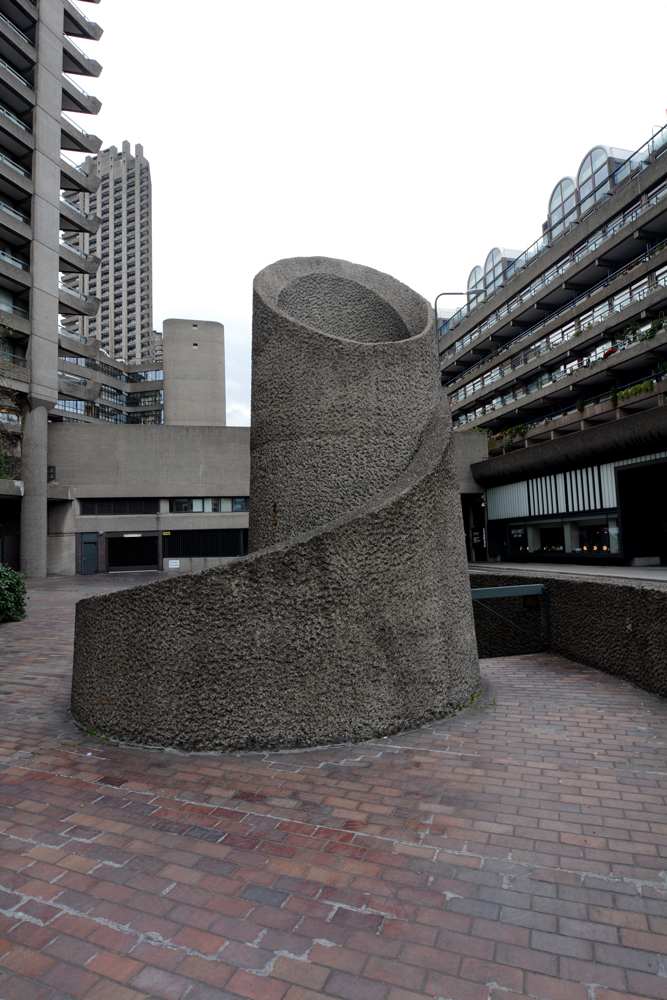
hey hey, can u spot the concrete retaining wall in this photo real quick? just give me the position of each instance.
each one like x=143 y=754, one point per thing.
x=620 y=628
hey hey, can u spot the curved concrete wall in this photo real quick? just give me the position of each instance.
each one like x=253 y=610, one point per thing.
x=352 y=616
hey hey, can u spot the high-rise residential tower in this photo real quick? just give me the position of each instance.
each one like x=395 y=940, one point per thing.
x=124 y=282
x=39 y=187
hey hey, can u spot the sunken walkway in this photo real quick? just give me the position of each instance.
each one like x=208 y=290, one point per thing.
x=518 y=848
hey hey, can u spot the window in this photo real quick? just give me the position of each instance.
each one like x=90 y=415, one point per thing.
x=592 y=173
x=475 y=287
x=562 y=206
x=139 y=505
x=208 y=505
x=493 y=270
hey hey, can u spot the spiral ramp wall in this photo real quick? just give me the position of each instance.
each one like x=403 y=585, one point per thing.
x=352 y=615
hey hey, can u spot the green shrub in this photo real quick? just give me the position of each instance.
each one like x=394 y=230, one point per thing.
x=636 y=390
x=12 y=595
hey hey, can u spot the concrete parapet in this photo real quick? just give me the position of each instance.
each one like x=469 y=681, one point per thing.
x=618 y=627
x=357 y=618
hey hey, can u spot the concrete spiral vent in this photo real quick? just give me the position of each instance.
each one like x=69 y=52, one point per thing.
x=351 y=616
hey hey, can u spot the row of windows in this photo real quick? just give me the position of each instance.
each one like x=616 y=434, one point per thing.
x=151 y=505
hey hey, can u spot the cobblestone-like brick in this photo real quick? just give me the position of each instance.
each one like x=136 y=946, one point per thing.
x=495 y=851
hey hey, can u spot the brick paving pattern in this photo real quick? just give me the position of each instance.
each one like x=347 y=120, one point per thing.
x=516 y=848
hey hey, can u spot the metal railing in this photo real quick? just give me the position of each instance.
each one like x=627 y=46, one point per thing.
x=72 y=291
x=15 y=166
x=76 y=126
x=73 y=164
x=63 y=331
x=75 y=208
x=80 y=12
x=12 y=117
x=68 y=246
x=74 y=84
x=557 y=312
x=17 y=30
x=637 y=161
x=8 y=358
x=9 y=307
x=12 y=72
x=510 y=397
x=74 y=379
x=15 y=212
x=11 y=259
x=79 y=50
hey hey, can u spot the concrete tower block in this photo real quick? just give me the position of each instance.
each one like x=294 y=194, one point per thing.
x=194 y=373
x=352 y=616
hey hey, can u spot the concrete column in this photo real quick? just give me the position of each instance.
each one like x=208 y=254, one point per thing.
x=33 y=505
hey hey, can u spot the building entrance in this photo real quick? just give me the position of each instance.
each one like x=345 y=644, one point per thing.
x=642 y=503
x=132 y=552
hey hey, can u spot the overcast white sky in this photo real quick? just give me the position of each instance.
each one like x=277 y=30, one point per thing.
x=411 y=137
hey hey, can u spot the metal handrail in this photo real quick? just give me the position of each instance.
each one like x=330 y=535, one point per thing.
x=635 y=161
x=15 y=212
x=75 y=125
x=80 y=51
x=64 y=201
x=14 y=260
x=12 y=117
x=547 y=319
x=9 y=307
x=550 y=378
x=68 y=246
x=72 y=291
x=68 y=333
x=18 y=76
x=80 y=12
x=73 y=164
x=17 y=30
x=15 y=166
x=13 y=359
x=75 y=85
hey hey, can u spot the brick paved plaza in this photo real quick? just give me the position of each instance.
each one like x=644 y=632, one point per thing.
x=517 y=848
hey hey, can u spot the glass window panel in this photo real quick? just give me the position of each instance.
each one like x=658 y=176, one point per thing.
x=598 y=156
x=197 y=505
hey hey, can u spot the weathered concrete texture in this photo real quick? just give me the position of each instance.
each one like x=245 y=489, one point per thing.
x=360 y=622
x=620 y=628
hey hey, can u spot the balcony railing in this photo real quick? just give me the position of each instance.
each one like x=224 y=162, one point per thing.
x=74 y=84
x=79 y=50
x=15 y=166
x=73 y=164
x=72 y=291
x=17 y=30
x=563 y=309
x=64 y=332
x=636 y=162
x=9 y=307
x=80 y=12
x=75 y=208
x=7 y=358
x=17 y=76
x=15 y=212
x=565 y=370
x=12 y=117
x=11 y=259
x=79 y=253
x=74 y=379
x=76 y=126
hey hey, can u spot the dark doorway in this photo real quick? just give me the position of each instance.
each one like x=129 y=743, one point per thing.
x=88 y=553
x=133 y=552
x=474 y=521
x=642 y=507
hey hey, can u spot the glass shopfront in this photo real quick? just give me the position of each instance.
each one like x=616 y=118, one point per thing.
x=575 y=535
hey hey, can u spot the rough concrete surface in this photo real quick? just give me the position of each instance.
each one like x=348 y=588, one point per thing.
x=357 y=620
x=619 y=627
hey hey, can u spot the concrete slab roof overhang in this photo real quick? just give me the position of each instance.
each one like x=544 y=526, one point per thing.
x=641 y=433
